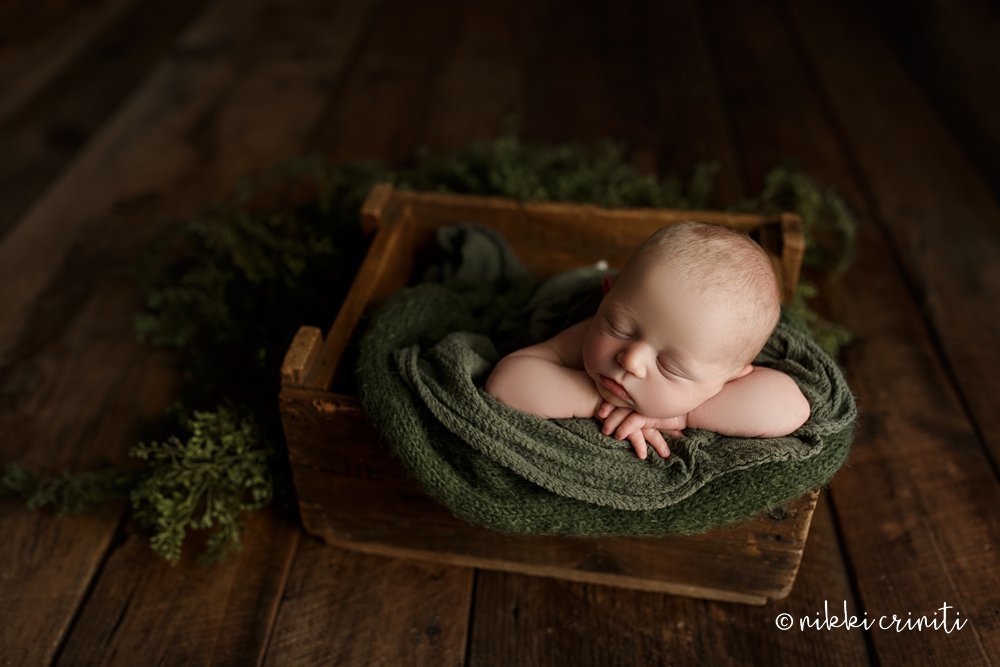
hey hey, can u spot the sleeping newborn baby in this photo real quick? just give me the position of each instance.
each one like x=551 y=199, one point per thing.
x=670 y=347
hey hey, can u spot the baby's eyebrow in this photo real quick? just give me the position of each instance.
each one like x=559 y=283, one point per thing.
x=625 y=310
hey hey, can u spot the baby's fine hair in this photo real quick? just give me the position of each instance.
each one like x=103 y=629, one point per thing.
x=722 y=261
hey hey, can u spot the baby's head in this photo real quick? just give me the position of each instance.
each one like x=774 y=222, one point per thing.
x=691 y=310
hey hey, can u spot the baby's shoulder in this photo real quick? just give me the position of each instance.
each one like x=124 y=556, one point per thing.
x=568 y=343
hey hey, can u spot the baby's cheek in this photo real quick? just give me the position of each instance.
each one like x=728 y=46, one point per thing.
x=666 y=400
x=591 y=354
x=660 y=404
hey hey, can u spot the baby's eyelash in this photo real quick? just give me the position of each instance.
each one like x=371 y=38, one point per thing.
x=616 y=331
x=670 y=371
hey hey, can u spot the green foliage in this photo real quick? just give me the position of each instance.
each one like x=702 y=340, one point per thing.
x=70 y=493
x=827 y=222
x=222 y=467
x=830 y=233
x=203 y=481
x=597 y=174
x=226 y=290
x=829 y=335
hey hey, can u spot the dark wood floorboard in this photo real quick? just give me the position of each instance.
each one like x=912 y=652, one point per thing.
x=345 y=608
x=116 y=117
x=146 y=611
x=950 y=48
x=39 y=39
x=943 y=223
x=684 y=97
x=43 y=134
x=183 y=138
x=381 y=108
x=480 y=87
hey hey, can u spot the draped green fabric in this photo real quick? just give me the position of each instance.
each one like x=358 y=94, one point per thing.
x=429 y=348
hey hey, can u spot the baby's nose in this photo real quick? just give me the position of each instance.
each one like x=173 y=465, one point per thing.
x=631 y=360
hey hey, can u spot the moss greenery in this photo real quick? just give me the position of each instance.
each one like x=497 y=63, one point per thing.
x=226 y=290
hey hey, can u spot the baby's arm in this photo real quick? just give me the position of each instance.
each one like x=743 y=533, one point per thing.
x=547 y=379
x=764 y=403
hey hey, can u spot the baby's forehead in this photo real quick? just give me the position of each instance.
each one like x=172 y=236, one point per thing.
x=662 y=302
x=727 y=279
x=676 y=276
x=653 y=298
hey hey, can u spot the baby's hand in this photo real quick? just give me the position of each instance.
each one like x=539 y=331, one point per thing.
x=626 y=423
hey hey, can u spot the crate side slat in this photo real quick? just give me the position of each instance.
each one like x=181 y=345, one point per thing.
x=384 y=270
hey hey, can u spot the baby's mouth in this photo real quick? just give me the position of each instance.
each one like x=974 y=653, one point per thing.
x=615 y=388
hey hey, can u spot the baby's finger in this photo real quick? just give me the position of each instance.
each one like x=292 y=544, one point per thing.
x=675 y=434
x=616 y=417
x=638 y=444
x=605 y=409
x=632 y=423
x=656 y=440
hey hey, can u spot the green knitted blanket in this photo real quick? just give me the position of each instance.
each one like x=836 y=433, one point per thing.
x=429 y=348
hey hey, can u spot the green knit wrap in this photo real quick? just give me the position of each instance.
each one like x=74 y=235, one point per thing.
x=428 y=351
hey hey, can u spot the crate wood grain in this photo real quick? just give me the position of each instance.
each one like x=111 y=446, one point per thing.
x=354 y=494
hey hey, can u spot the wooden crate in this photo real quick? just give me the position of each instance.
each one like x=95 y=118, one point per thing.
x=352 y=493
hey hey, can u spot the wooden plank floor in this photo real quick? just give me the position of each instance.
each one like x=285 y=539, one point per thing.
x=116 y=115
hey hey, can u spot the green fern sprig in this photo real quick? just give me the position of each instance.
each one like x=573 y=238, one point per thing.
x=221 y=469
x=70 y=493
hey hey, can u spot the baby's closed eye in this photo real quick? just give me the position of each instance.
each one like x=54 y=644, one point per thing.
x=669 y=370
x=617 y=331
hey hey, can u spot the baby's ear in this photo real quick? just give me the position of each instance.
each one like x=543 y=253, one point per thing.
x=608 y=281
x=743 y=371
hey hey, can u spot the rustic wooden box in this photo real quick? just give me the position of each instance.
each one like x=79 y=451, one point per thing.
x=352 y=493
